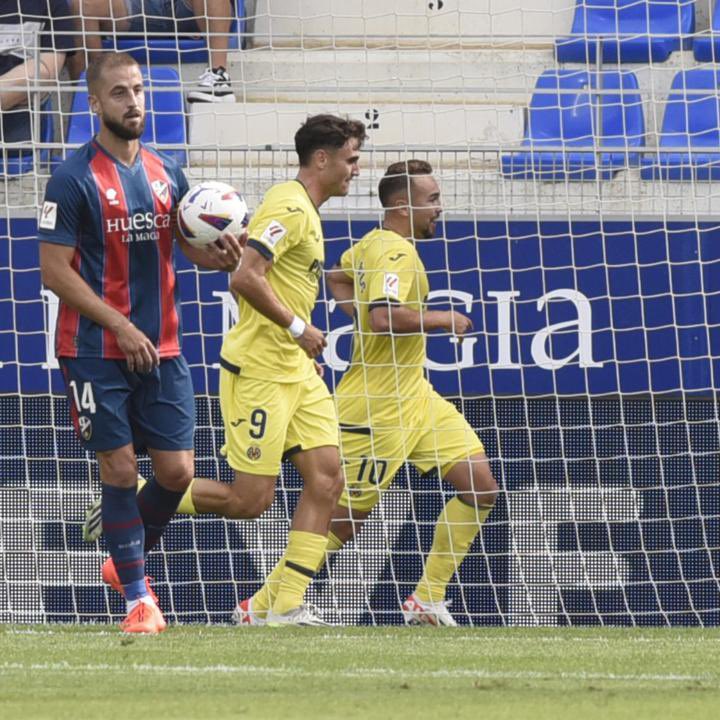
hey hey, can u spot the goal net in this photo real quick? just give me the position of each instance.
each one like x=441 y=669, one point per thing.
x=580 y=233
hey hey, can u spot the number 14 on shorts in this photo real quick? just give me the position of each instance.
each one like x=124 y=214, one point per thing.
x=83 y=397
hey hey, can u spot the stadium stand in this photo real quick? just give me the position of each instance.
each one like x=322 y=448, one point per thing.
x=330 y=24
x=567 y=110
x=393 y=123
x=707 y=48
x=691 y=121
x=165 y=122
x=178 y=49
x=627 y=31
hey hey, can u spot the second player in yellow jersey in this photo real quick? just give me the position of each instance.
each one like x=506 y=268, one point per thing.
x=389 y=412
x=286 y=231
x=273 y=400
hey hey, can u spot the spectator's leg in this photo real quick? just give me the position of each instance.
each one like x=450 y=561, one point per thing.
x=21 y=75
x=95 y=18
x=214 y=17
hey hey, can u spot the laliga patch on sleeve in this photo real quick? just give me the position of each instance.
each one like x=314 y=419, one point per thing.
x=391 y=285
x=48 y=215
x=274 y=233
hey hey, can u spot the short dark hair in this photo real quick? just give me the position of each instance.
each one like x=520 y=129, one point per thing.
x=326 y=132
x=397 y=179
x=106 y=61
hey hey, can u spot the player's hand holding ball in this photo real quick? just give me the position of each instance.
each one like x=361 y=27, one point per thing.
x=214 y=216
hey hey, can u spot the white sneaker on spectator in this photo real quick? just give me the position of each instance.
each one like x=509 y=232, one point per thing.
x=213 y=86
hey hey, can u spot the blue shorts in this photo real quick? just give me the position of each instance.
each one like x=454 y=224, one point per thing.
x=161 y=16
x=112 y=407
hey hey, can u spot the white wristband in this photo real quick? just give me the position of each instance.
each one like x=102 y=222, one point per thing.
x=297 y=327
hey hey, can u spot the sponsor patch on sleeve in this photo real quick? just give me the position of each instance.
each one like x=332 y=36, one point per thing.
x=273 y=233
x=48 y=215
x=391 y=285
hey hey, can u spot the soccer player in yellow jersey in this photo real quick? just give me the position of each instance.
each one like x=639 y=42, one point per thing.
x=388 y=411
x=274 y=402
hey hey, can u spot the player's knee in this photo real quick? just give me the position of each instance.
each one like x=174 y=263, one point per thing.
x=118 y=469
x=245 y=506
x=336 y=485
x=329 y=486
x=177 y=477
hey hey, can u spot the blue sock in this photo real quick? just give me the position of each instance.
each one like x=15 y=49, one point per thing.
x=125 y=538
x=157 y=506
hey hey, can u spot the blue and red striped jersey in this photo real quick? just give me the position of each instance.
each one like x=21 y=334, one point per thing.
x=120 y=221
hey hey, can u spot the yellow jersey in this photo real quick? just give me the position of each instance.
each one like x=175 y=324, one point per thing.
x=386 y=370
x=285 y=229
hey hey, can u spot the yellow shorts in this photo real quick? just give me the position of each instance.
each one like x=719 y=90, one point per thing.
x=265 y=420
x=371 y=458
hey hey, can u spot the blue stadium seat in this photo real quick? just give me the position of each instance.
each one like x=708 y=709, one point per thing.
x=567 y=111
x=176 y=50
x=707 y=49
x=627 y=30
x=691 y=121
x=19 y=161
x=165 y=121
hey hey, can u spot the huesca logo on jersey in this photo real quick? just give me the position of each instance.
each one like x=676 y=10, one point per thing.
x=161 y=190
x=140 y=227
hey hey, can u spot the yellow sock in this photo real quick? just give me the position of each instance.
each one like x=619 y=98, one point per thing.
x=186 y=506
x=456 y=528
x=304 y=555
x=264 y=598
x=334 y=544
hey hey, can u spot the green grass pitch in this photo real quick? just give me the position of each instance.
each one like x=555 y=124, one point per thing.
x=75 y=672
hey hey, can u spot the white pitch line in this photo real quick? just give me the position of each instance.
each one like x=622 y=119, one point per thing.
x=61 y=667
x=370 y=637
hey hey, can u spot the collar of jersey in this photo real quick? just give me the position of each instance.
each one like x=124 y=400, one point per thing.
x=103 y=150
x=382 y=228
x=299 y=182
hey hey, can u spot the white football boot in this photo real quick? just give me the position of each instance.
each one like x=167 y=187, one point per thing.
x=420 y=612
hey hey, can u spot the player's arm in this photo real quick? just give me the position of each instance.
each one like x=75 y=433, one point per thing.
x=389 y=291
x=59 y=276
x=250 y=282
x=389 y=317
x=341 y=287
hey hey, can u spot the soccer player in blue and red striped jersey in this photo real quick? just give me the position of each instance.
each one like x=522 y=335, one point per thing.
x=106 y=235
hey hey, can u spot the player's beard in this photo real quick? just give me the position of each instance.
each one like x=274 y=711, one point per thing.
x=428 y=232
x=123 y=132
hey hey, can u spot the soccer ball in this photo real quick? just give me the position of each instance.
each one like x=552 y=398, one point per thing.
x=210 y=209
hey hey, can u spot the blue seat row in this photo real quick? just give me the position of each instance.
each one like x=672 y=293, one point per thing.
x=636 y=31
x=573 y=112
